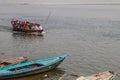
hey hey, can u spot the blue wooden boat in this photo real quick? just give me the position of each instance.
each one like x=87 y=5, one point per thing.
x=30 y=67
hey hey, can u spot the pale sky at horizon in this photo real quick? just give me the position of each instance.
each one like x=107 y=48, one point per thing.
x=54 y=1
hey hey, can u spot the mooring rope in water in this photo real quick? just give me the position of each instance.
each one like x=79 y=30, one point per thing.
x=61 y=78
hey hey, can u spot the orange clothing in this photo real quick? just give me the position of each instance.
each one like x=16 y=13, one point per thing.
x=27 y=27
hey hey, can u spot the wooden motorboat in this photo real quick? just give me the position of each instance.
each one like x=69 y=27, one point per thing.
x=27 y=27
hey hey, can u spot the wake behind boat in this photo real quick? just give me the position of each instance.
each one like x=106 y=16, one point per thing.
x=108 y=75
x=30 y=67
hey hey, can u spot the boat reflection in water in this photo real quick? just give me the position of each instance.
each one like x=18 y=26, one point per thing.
x=27 y=36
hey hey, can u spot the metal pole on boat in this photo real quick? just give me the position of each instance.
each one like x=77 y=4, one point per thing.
x=47 y=19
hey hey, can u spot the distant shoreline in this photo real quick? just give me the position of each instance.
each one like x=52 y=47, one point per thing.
x=84 y=3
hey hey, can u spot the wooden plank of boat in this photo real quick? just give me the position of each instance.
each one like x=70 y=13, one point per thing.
x=108 y=75
x=6 y=62
x=30 y=67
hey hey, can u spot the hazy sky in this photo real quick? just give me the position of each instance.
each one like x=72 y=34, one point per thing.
x=54 y=1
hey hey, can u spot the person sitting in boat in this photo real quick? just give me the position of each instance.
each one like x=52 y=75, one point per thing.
x=27 y=26
x=33 y=26
x=16 y=24
x=19 y=24
x=30 y=26
x=13 y=22
x=22 y=25
x=40 y=27
x=36 y=27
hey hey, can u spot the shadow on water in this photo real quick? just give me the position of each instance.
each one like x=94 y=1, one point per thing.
x=49 y=75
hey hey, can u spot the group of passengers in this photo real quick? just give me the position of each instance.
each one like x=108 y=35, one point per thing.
x=26 y=25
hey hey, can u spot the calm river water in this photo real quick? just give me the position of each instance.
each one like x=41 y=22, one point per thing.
x=88 y=34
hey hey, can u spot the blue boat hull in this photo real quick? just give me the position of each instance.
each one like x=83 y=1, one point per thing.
x=35 y=71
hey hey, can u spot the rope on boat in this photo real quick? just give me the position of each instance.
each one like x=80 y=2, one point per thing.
x=47 y=19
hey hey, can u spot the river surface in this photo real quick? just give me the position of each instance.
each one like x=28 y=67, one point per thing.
x=88 y=34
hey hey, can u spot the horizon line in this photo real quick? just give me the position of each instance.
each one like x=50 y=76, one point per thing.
x=81 y=3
